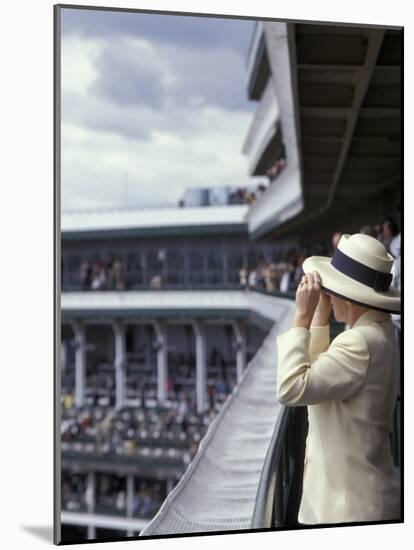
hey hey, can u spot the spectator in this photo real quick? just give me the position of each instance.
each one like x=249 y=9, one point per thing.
x=69 y=400
x=287 y=277
x=396 y=274
x=262 y=274
x=368 y=230
x=392 y=241
x=183 y=405
x=99 y=277
x=155 y=282
x=222 y=389
x=252 y=280
x=171 y=388
x=298 y=273
x=392 y=236
x=277 y=167
x=138 y=500
x=336 y=237
x=249 y=197
x=85 y=275
x=271 y=278
x=243 y=276
x=146 y=501
x=378 y=232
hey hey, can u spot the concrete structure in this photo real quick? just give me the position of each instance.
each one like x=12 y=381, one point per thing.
x=200 y=309
x=332 y=95
x=88 y=224
x=115 y=310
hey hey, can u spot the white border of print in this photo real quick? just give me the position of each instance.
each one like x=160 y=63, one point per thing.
x=26 y=482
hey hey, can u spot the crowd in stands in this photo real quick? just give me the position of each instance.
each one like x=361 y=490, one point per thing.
x=123 y=432
x=242 y=195
x=171 y=431
x=275 y=169
x=387 y=232
x=141 y=380
x=284 y=276
x=102 y=275
x=146 y=430
x=268 y=275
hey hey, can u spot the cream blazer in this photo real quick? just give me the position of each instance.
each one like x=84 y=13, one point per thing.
x=350 y=387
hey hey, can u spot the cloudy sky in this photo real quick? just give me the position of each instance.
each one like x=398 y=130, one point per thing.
x=151 y=104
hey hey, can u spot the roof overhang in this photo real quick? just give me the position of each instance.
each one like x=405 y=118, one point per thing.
x=346 y=92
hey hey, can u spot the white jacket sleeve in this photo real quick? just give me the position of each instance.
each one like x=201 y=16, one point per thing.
x=335 y=375
x=319 y=341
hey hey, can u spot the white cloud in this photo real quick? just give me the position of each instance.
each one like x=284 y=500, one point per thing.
x=79 y=56
x=121 y=153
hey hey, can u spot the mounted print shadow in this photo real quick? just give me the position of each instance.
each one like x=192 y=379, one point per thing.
x=228 y=198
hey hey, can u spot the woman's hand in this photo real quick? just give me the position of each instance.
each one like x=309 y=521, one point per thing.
x=307 y=299
x=323 y=311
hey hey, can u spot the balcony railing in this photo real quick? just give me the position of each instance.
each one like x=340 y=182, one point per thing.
x=263 y=128
x=257 y=64
x=280 y=486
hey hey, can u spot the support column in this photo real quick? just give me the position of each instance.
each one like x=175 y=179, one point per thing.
x=130 y=492
x=162 y=360
x=90 y=501
x=80 y=362
x=201 y=366
x=120 y=364
x=240 y=335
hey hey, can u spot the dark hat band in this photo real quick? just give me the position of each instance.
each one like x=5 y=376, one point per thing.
x=377 y=280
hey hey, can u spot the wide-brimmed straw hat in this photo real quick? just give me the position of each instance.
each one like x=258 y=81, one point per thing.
x=359 y=271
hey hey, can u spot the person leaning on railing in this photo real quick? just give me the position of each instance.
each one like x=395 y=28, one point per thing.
x=349 y=385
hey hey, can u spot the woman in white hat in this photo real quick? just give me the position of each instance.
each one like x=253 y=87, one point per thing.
x=350 y=385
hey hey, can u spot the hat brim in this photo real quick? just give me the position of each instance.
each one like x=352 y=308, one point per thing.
x=344 y=287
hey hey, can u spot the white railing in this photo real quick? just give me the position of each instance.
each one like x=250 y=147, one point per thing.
x=218 y=490
x=262 y=128
x=281 y=201
x=146 y=219
x=251 y=57
x=100 y=520
x=137 y=300
x=284 y=198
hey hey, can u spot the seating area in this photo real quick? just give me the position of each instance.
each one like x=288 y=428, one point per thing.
x=159 y=433
x=73 y=488
x=110 y=495
x=141 y=382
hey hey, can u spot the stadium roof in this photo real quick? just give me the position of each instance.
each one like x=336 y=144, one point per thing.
x=339 y=93
x=170 y=221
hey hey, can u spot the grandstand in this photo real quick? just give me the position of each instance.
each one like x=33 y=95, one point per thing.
x=146 y=369
x=169 y=317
